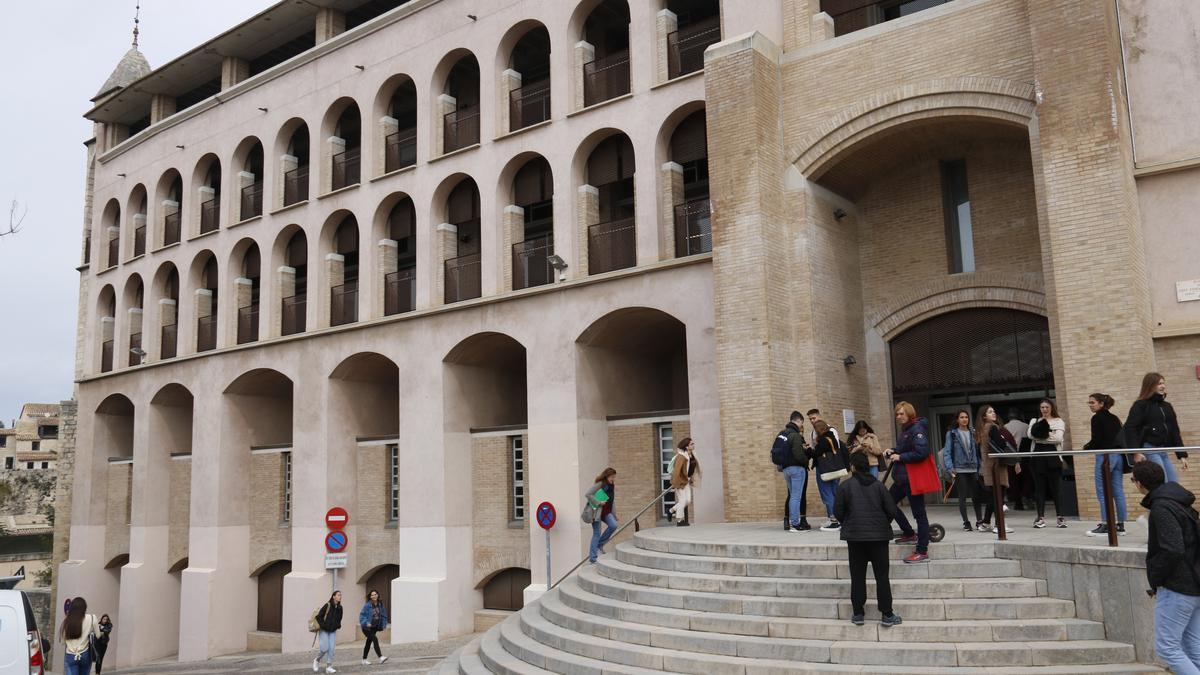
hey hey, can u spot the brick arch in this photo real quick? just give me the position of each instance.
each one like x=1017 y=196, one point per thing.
x=1004 y=101
x=1023 y=292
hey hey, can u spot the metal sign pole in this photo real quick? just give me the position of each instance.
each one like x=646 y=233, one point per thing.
x=334 y=570
x=549 y=576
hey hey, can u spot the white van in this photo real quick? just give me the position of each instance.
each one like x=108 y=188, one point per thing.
x=22 y=651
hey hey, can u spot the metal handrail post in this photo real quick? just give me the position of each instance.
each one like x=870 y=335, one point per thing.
x=614 y=536
x=998 y=499
x=1109 y=502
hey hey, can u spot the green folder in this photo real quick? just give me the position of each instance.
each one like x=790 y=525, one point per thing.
x=600 y=496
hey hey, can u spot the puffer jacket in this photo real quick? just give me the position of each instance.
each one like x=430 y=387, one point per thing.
x=1152 y=420
x=864 y=508
x=1171 y=549
x=329 y=618
x=956 y=457
x=911 y=447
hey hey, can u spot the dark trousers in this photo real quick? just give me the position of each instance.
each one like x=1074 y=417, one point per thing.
x=876 y=553
x=372 y=639
x=967 y=485
x=101 y=650
x=1047 y=479
x=900 y=492
x=989 y=506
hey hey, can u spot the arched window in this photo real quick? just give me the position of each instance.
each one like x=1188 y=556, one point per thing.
x=206 y=306
x=248 y=295
x=295 y=167
x=612 y=241
x=692 y=208
x=346 y=152
x=533 y=192
x=462 y=269
x=460 y=103
x=295 y=285
x=604 y=52
x=692 y=25
x=343 y=301
x=400 y=286
x=529 y=85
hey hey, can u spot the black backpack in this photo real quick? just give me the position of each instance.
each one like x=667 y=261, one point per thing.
x=781 y=450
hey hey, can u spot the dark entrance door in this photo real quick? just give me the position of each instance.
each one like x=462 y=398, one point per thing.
x=506 y=590
x=270 y=596
x=381 y=581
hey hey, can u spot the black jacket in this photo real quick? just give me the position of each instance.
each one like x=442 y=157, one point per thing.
x=329 y=617
x=864 y=508
x=1152 y=420
x=1172 y=547
x=1105 y=427
x=796 y=442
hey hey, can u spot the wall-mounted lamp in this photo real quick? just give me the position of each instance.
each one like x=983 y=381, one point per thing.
x=849 y=360
x=559 y=265
x=838 y=214
x=138 y=352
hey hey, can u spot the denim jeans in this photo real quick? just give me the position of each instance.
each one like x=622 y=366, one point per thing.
x=1115 y=485
x=796 y=477
x=1177 y=631
x=828 y=489
x=1160 y=458
x=599 y=540
x=326 y=641
x=82 y=666
x=901 y=491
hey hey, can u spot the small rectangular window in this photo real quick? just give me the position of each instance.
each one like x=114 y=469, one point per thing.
x=37 y=445
x=8 y=462
x=394 y=483
x=45 y=465
x=3 y=441
x=956 y=204
x=516 y=445
x=28 y=465
x=287 y=487
x=664 y=451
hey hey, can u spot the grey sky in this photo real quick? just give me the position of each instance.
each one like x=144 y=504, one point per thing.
x=53 y=58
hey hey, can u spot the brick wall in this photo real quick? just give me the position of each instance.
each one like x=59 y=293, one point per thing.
x=272 y=539
x=633 y=452
x=116 y=509
x=376 y=542
x=179 y=509
x=499 y=541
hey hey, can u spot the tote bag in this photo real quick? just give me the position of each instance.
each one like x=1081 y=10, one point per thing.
x=923 y=477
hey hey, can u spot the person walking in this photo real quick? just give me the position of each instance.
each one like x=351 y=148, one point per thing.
x=372 y=618
x=77 y=632
x=865 y=509
x=105 y=627
x=912 y=447
x=1171 y=554
x=794 y=467
x=1152 y=424
x=830 y=467
x=329 y=621
x=600 y=498
x=960 y=457
x=683 y=469
x=864 y=440
x=1105 y=429
x=992 y=435
x=1047 y=433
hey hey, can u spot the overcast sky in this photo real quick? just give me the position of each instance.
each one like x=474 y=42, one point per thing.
x=52 y=63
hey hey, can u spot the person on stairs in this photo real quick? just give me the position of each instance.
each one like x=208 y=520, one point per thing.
x=830 y=467
x=866 y=510
x=600 y=500
x=912 y=447
x=960 y=456
x=683 y=469
x=795 y=472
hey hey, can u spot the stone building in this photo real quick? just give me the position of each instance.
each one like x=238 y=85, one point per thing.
x=542 y=238
x=32 y=440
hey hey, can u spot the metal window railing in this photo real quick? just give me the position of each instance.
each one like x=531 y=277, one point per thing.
x=206 y=333
x=685 y=47
x=106 y=356
x=346 y=168
x=460 y=128
x=87 y=250
x=606 y=78
x=612 y=246
x=529 y=105
x=343 y=304
x=139 y=241
x=247 y=326
x=169 y=342
x=400 y=150
x=400 y=291
x=293 y=315
x=135 y=343
x=171 y=228
x=295 y=185
x=209 y=220
x=693 y=227
x=463 y=277
x=530 y=262
x=114 y=251
x=252 y=201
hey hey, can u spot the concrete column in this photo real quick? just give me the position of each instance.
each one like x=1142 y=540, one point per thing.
x=244 y=180
x=670 y=194
x=161 y=107
x=584 y=52
x=587 y=213
x=330 y=22
x=822 y=28
x=665 y=23
x=333 y=145
x=513 y=230
x=203 y=194
x=138 y=220
x=233 y=70
x=445 y=105
x=170 y=207
x=387 y=127
x=308 y=584
x=510 y=81
x=285 y=284
x=447 y=248
x=386 y=262
x=335 y=275
x=286 y=163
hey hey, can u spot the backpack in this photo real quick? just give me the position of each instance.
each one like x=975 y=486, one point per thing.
x=1006 y=454
x=314 y=626
x=781 y=450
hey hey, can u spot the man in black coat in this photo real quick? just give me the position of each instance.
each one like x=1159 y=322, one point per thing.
x=795 y=472
x=866 y=510
x=1171 y=567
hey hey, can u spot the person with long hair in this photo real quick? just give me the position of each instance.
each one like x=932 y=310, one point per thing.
x=911 y=447
x=600 y=498
x=372 y=618
x=864 y=440
x=991 y=434
x=960 y=456
x=1047 y=433
x=827 y=458
x=105 y=627
x=1152 y=424
x=329 y=619
x=683 y=469
x=1105 y=429
x=77 y=631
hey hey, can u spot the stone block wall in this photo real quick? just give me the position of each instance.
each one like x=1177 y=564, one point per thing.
x=64 y=481
x=500 y=541
x=271 y=536
x=376 y=537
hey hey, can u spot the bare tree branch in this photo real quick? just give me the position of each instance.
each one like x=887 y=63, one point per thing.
x=14 y=219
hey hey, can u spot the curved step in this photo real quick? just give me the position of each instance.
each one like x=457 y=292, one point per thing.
x=468 y=661
x=539 y=657
x=793 y=546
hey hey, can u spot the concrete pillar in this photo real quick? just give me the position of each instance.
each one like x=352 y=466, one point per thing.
x=161 y=107
x=445 y=105
x=665 y=23
x=822 y=28
x=797 y=22
x=308 y=584
x=335 y=275
x=670 y=194
x=286 y=163
x=387 y=126
x=587 y=213
x=584 y=52
x=333 y=145
x=170 y=207
x=510 y=81
x=447 y=248
x=285 y=284
x=233 y=70
x=330 y=22
x=513 y=230
x=387 y=261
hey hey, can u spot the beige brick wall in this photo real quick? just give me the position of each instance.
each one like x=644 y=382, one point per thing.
x=376 y=542
x=179 y=510
x=272 y=539
x=499 y=541
x=116 y=509
x=633 y=452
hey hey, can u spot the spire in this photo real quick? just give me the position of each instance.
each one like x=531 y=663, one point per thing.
x=137 y=13
x=133 y=65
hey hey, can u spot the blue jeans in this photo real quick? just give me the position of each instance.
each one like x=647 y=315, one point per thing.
x=326 y=641
x=900 y=492
x=828 y=489
x=82 y=666
x=599 y=540
x=796 y=477
x=1115 y=485
x=1160 y=458
x=1177 y=631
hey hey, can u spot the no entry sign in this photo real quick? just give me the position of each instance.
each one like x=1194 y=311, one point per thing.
x=337 y=518
x=335 y=542
x=546 y=515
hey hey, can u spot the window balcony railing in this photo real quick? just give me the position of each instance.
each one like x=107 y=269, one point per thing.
x=343 y=303
x=206 y=333
x=170 y=339
x=106 y=356
x=685 y=47
x=400 y=291
x=171 y=228
x=87 y=250
x=530 y=264
x=247 y=326
x=114 y=251
x=251 y=201
x=293 y=315
x=400 y=150
x=460 y=128
x=529 y=105
x=139 y=241
x=209 y=215
x=606 y=78
x=693 y=227
x=346 y=167
x=853 y=15
x=612 y=246
x=295 y=185
x=135 y=343
x=463 y=277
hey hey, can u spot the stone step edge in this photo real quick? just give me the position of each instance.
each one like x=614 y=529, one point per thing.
x=510 y=636
x=497 y=659
x=799 y=549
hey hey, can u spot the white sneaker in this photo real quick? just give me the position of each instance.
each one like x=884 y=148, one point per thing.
x=996 y=530
x=382 y=659
x=316 y=665
x=330 y=669
x=366 y=662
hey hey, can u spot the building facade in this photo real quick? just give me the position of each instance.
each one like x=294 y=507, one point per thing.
x=438 y=267
x=32 y=440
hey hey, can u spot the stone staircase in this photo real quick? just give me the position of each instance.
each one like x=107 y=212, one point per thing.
x=719 y=600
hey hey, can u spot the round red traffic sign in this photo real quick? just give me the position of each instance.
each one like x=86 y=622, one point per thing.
x=336 y=542
x=337 y=518
x=546 y=515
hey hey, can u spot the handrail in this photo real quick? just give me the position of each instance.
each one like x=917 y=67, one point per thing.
x=632 y=521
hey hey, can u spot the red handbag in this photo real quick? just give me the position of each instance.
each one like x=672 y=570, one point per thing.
x=923 y=476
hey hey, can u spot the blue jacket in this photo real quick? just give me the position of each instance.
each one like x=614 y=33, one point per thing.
x=911 y=447
x=364 y=616
x=957 y=458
